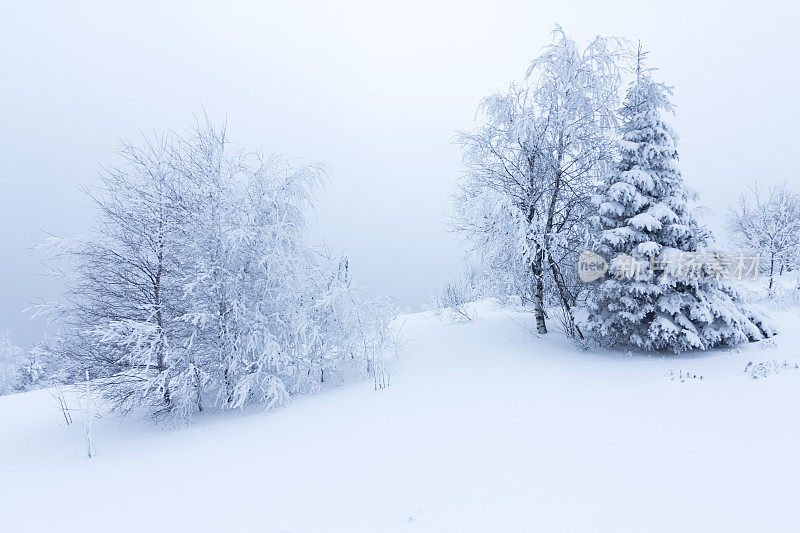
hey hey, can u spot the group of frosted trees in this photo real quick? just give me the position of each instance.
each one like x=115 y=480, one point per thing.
x=196 y=288
x=565 y=163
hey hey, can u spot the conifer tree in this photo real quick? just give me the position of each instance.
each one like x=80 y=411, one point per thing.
x=661 y=293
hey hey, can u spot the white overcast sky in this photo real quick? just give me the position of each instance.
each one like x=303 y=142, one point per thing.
x=374 y=90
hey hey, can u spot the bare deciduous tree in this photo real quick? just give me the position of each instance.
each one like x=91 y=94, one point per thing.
x=768 y=225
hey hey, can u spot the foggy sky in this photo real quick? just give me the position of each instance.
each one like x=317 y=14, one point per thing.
x=375 y=91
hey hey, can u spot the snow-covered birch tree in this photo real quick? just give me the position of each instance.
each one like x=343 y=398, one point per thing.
x=117 y=317
x=531 y=166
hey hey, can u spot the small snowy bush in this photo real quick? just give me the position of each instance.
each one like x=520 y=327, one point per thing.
x=19 y=370
x=451 y=299
x=11 y=363
x=683 y=376
x=766 y=369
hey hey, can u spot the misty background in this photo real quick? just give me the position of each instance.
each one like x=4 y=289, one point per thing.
x=374 y=91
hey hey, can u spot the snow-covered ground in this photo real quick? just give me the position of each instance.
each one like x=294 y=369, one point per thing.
x=485 y=427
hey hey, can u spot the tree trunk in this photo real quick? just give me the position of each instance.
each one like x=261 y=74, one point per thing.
x=543 y=247
x=538 y=295
x=771 y=272
x=565 y=301
x=160 y=363
x=198 y=392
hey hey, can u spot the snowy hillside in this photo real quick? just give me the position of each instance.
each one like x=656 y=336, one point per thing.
x=485 y=427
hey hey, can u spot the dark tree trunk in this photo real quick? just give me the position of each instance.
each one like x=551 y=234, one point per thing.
x=566 y=300
x=538 y=296
x=771 y=271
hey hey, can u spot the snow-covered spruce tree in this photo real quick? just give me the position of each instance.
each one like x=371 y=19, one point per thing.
x=531 y=166
x=197 y=290
x=645 y=220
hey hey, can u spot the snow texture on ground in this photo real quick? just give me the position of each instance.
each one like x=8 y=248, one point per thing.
x=485 y=427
